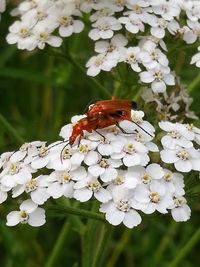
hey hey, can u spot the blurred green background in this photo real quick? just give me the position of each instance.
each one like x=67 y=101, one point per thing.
x=39 y=92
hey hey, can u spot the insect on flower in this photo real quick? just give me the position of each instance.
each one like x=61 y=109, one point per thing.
x=122 y=107
x=103 y=114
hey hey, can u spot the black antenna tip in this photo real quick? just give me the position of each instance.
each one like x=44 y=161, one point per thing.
x=133 y=105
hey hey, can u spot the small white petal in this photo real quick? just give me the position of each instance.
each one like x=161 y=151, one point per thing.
x=103 y=195
x=109 y=175
x=39 y=196
x=181 y=214
x=55 y=190
x=183 y=165
x=91 y=158
x=37 y=218
x=116 y=217
x=28 y=206
x=83 y=194
x=131 y=160
x=132 y=219
x=168 y=156
x=13 y=218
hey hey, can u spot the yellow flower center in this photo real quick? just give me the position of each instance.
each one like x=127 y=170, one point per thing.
x=98 y=61
x=174 y=134
x=146 y=178
x=120 y=2
x=183 y=154
x=131 y=58
x=31 y=185
x=94 y=185
x=154 y=55
x=24 y=32
x=23 y=216
x=43 y=151
x=162 y=22
x=155 y=198
x=66 y=153
x=14 y=168
x=66 y=20
x=179 y=201
x=123 y=205
x=104 y=163
x=158 y=75
x=65 y=178
x=104 y=27
x=137 y=9
x=24 y=147
x=43 y=36
x=190 y=126
x=83 y=148
x=168 y=177
x=130 y=148
x=118 y=180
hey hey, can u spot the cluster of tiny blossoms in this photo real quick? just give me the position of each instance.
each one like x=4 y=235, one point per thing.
x=39 y=20
x=112 y=165
x=116 y=25
x=174 y=105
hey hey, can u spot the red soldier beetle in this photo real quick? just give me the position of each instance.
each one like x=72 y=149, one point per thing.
x=111 y=106
x=102 y=114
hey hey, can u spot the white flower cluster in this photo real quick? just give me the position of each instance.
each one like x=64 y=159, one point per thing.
x=173 y=105
x=39 y=20
x=148 y=21
x=178 y=146
x=2 y=6
x=111 y=165
x=147 y=57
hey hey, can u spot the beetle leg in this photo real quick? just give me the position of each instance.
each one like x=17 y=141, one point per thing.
x=100 y=135
x=123 y=131
x=79 y=140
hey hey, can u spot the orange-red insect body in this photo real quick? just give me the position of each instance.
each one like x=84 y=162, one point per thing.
x=111 y=106
x=101 y=121
x=102 y=114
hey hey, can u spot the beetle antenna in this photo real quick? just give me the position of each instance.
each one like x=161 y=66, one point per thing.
x=90 y=103
x=142 y=128
x=59 y=143
x=61 y=159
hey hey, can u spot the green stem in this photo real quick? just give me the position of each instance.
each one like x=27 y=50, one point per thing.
x=79 y=212
x=11 y=130
x=165 y=241
x=186 y=249
x=78 y=66
x=119 y=248
x=89 y=239
x=72 y=60
x=54 y=256
x=194 y=84
x=105 y=235
x=180 y=62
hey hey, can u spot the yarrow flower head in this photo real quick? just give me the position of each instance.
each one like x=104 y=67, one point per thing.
x=117 y=163
x=40 y=19
x=178 y=146
x=40 y=23
x=113 y=166
x=28 y=213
